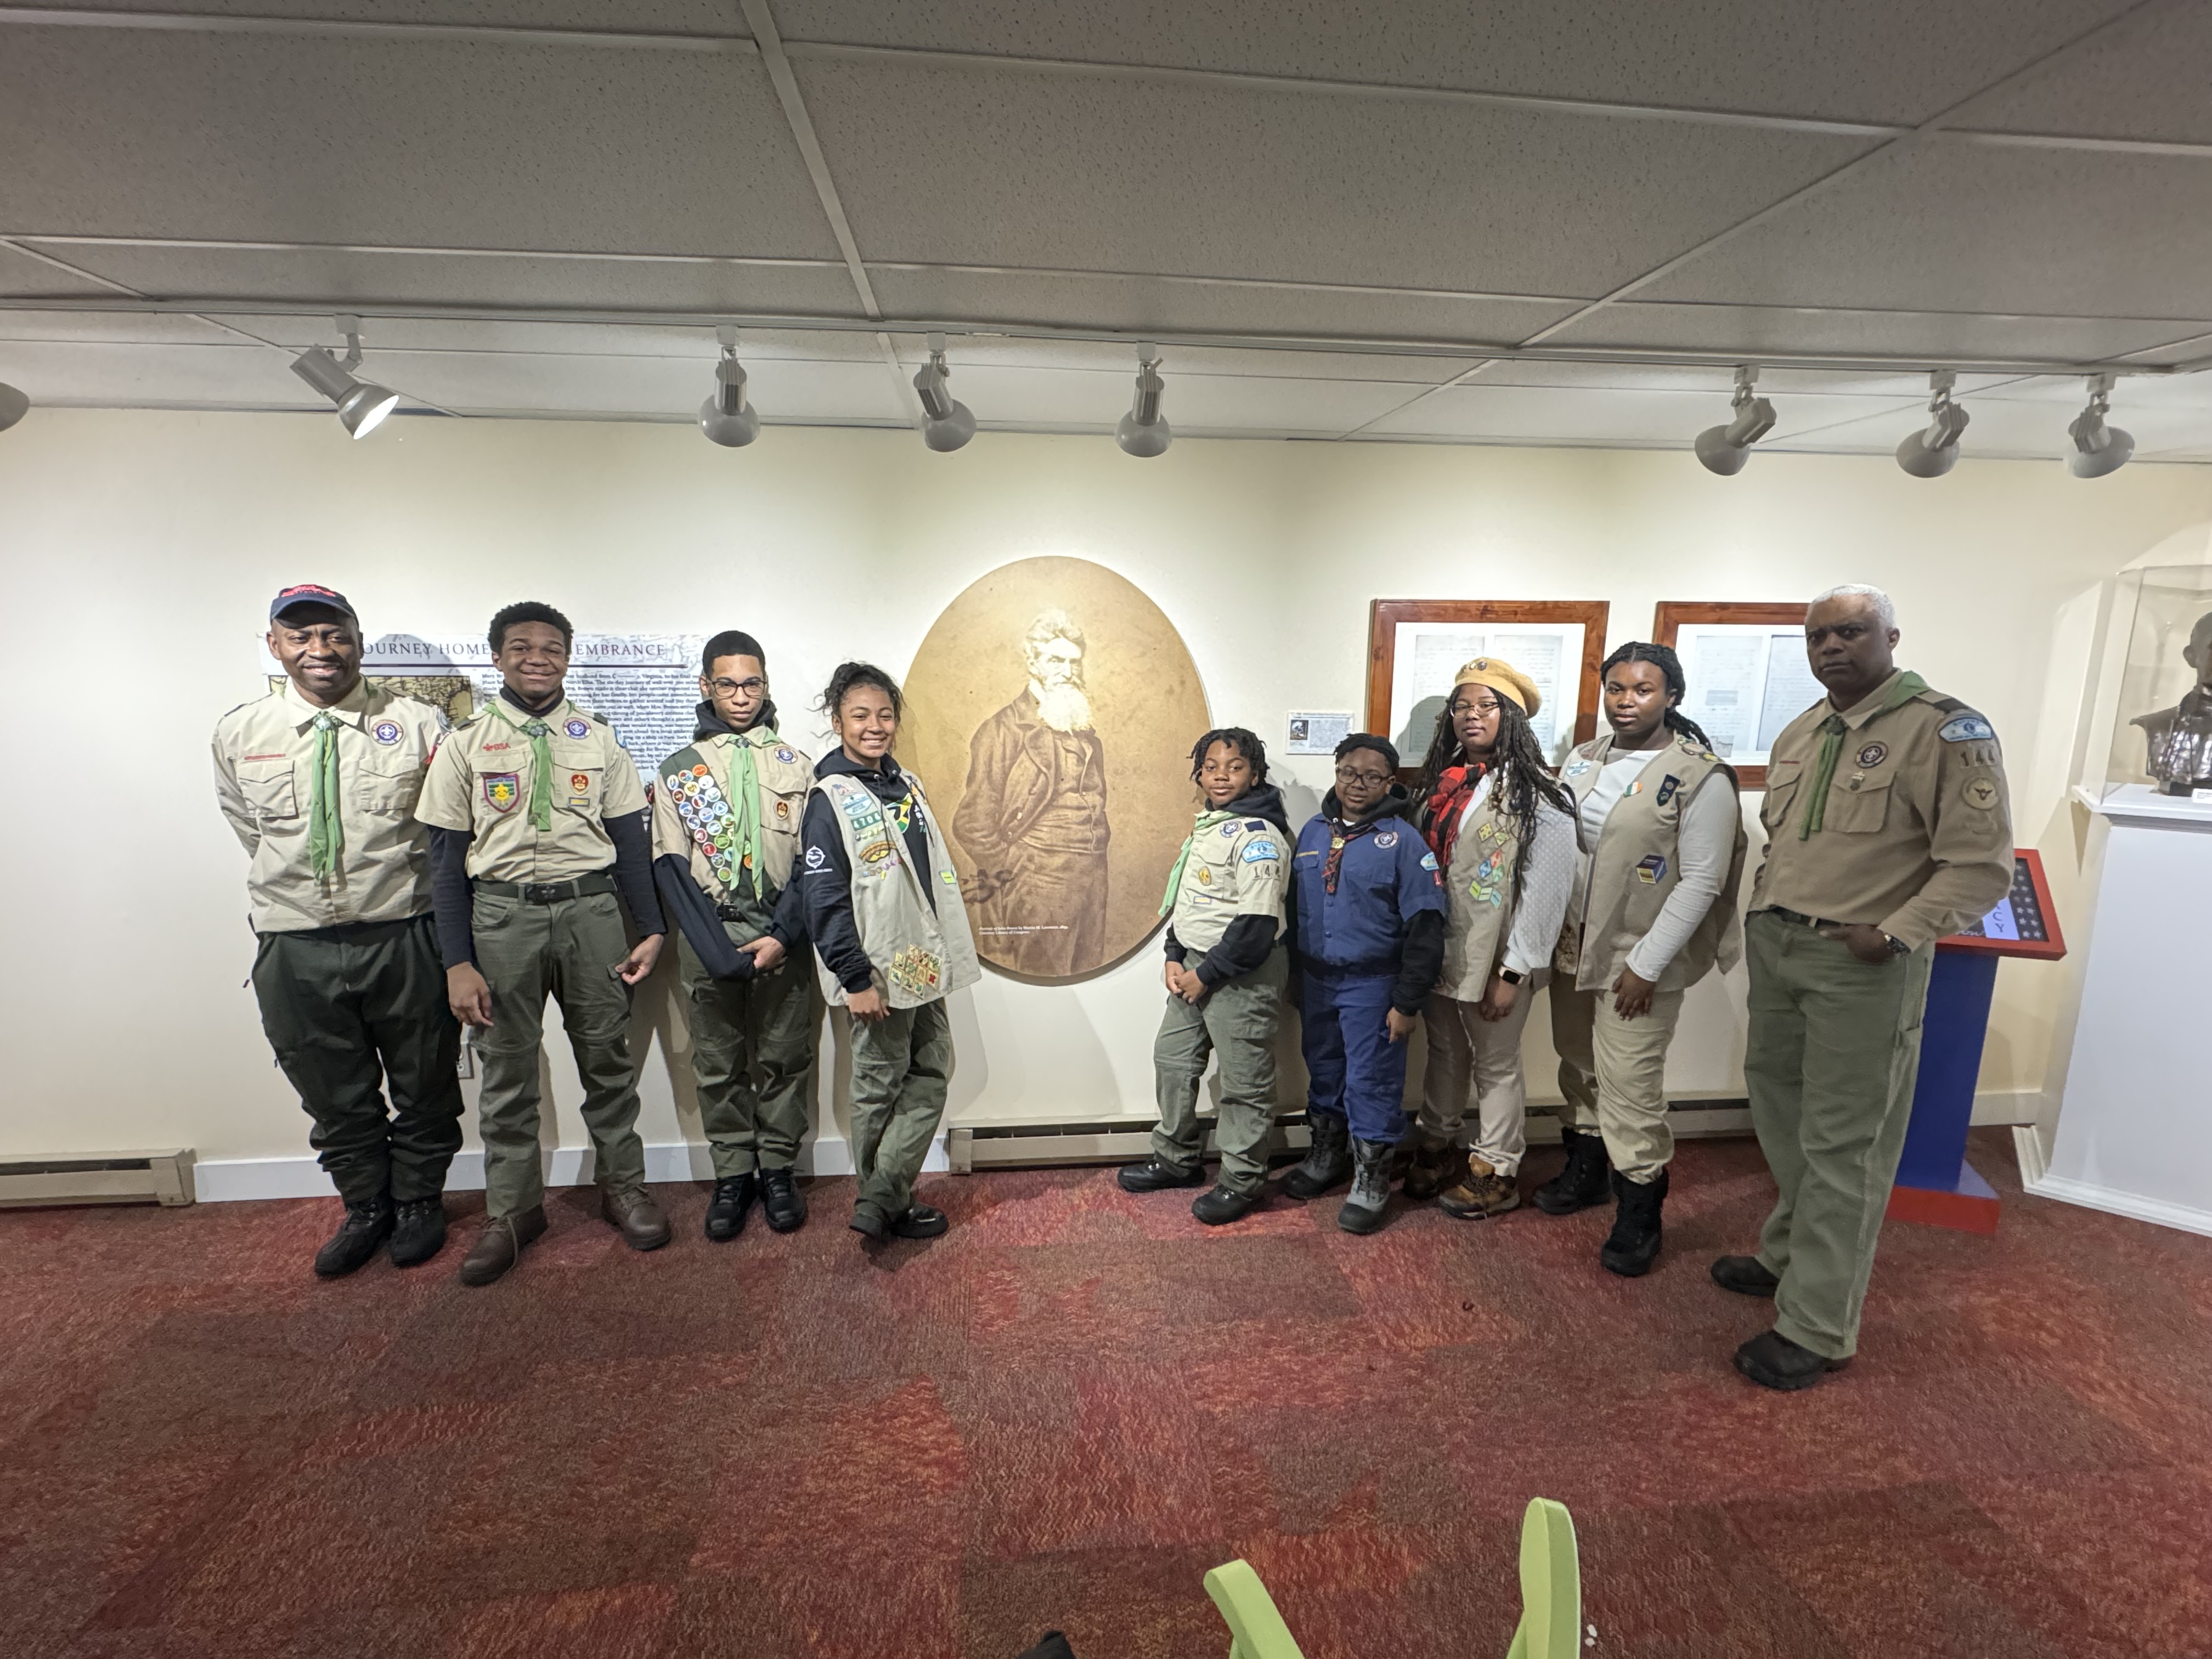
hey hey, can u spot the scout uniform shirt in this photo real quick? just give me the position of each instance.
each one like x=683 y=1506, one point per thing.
x=1232 y=866
x=1385 y=877
x=1908 y=831
x=697 y=815
x=485 y=781
x=336 y=786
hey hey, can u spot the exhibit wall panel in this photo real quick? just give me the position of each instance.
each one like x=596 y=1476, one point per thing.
x=140 y=550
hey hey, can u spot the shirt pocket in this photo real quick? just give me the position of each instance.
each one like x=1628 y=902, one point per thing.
x=1783 y=781
x=268 y=788
x=578 y=787
x=1857 y=811
x=391 y=789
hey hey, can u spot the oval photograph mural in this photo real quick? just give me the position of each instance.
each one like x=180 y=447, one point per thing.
x=1051 y=711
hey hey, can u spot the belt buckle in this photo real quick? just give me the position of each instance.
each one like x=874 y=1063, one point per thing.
x=544 y=892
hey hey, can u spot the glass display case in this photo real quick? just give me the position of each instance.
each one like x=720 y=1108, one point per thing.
x=2147 y=734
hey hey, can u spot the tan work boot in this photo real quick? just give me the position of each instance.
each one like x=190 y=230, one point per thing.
x=1482 y=1192
x=631 y=1211
x=499 y=1246
x=1433 y=1169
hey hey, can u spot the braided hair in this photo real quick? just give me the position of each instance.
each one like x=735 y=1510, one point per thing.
x=1247 y=744
x=1520 y=777
x=1663 y=659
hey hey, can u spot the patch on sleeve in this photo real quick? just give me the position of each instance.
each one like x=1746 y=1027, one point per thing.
x=1263 y=850
x=1980 y=791
x=1428 y=860
x=1968 y=727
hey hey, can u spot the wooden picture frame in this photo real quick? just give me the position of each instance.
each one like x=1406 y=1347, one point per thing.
x=1669 y=616
x=1385 y=616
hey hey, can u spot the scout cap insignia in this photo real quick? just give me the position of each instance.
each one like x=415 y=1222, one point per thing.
x=578 y=728
x=1503 y=678
x=311 y=593
x=1874 y=754
x=501 y=790
x=386 y=731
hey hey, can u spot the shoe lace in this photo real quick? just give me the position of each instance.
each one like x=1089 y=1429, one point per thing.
x=776 y=1181
x=730 y=1186
x=414 y=1209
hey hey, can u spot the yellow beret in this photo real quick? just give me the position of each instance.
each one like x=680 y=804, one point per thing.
x=1503 y=678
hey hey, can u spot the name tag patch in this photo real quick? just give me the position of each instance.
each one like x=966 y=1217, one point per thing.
x=1966 y=728
x=1651 y=870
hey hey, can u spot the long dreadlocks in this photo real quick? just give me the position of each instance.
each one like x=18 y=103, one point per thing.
x=1520 y=776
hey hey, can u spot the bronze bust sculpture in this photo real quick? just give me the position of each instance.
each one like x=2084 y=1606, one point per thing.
x=2178 y=740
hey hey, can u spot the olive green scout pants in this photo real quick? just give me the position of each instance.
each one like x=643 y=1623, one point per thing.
x=901 y=1064
x=742 y=1028
x=1237 y=1021
x=1830 y=1059
x=571 y=950
x=352 y=1012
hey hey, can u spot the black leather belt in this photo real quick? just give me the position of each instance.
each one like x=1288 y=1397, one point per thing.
x=732 y=912
x=1802 y=918
x=550 y=892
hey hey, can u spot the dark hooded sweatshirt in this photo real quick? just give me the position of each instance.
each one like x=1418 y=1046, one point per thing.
x=828 y=884
x=1248 y=941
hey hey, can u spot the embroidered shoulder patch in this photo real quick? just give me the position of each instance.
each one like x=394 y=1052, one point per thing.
x=1428 y=860
x=1386 y=839
x=1262 y=851
x=1968 y=727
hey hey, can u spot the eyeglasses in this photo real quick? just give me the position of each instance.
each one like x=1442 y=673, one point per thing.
x=1354 y=775
x=1469 y=705
x=751 y=688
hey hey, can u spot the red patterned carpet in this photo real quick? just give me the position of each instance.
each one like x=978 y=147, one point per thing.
x=1065 y=1411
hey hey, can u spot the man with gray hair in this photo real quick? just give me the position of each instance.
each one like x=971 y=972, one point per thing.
x=1888 y=828
x=1033 y=815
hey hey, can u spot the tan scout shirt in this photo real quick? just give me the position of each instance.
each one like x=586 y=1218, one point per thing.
x=1916 y=835
x=1235 y=869
x=264 y=780
x=783 y=775
x=480 y=779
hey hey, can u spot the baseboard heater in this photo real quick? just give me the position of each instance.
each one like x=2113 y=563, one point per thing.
x=971 y=1147
x=162 y=1177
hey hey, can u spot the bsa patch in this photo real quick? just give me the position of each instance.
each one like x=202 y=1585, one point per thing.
x=1387 y=838
x=1428 y=860
x=1874 y=754
x=1261 y=852
x=786 y=756
x=1668 y=785
x=578 y=728
x=386 y=731
x=917 y=971
x=1966 y=728
x=501 y=790
x=1651 y=870
x=1229 y=831
x=579 y=781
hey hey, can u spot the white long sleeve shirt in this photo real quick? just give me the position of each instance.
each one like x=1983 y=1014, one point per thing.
x=1706 y=841
x=1547 y=885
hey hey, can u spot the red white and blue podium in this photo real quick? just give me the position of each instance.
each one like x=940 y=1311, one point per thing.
x=1935 y=1183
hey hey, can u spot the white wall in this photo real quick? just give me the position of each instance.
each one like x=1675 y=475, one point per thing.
x=137 y=552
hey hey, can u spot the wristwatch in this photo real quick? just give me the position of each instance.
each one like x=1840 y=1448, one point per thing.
x=1897 y=947
x=1509 y=976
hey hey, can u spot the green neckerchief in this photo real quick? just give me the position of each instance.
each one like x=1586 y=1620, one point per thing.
x=745 y=801
x=325 y=835
x=1206 y=822
x=541 y=766
x=1906 y=686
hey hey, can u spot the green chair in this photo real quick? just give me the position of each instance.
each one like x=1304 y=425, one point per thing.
x=1550 y=1596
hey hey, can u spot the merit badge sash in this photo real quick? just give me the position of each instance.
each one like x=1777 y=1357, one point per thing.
x=706 y=813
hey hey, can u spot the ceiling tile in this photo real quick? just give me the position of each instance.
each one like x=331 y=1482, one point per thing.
x=310 y=138
x=1660 y=377
x=1782 y=331
x=153 y=376
x=1119 y=358
x=1957 y=227
x=712 y=17
x=651 y=387
x=1096 y=400
x=1136 y=303
x=1869 y=60
x=563 y=339
x=1100 y=173
x=2146 y=79
x=344 y=277
x=116 y=327
x=2015 y=430
x=23 y=276
x=1476 y=411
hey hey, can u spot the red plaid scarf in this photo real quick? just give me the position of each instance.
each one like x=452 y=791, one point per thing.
x=1341 y=835
x=1447 y=806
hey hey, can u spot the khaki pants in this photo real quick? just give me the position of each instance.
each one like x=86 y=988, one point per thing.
x=742 y=1028
x=1833 y=1048
x=1476 y=1061
x=1237 y=1021
x=571 y=950
x=901 y=1067
x=1614 y=1073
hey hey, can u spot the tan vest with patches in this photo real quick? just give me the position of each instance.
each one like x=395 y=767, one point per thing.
x=784 y=773
x=1479 y=891
x=1637 y=862
x=921 y=953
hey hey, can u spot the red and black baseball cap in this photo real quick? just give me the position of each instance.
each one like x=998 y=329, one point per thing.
x=311 y=593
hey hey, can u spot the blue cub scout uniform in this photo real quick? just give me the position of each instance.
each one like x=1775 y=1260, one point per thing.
x=1351 y=946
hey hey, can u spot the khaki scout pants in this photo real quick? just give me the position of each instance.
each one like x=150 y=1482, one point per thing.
x=901 y=1066
x=352 y=1011
x=1614 y=1073
x=1237 y=1021
x=1476 y=1061
x=1834 y=1047
x=571 y=950
x=742 y=1028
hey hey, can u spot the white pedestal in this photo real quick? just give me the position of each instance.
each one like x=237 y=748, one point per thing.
x=2135 y=1123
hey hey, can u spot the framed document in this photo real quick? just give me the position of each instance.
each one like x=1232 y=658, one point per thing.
x=1414 y=647
x=1747 y=674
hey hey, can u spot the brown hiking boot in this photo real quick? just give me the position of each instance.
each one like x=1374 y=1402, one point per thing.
x=1433 y=1169
x=1482 y=1192
x=499 y=1244
x=631 y=1211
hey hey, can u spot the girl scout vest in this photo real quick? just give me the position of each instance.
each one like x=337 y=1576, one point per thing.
x=698 y=782
x=919 y=953
x=1478 y=892
x=1637 y=863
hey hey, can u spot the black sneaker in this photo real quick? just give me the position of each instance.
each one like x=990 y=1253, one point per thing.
x=727 y=1210
x=359 y=1236
x=1221 y=1206
x=919 y=1221
x=1154 y=1176
x=1328 y=1159
x=869 y=1223
x=1746 y=1275
x=1773 y=1361
x=781 y=1202
x=1581 y=1183
x=419 y=1231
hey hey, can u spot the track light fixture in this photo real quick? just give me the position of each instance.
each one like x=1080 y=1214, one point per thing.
x=14 y=405
x=1931 y=453
x=1724 y=449
x=1143 y=430
x=949 y=424
x=2097 y=448
x=726 y=417
x=362 y=404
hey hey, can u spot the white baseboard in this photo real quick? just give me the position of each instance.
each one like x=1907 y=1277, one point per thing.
x=219 y=1181
x=2157 y=1211
x=2027 y=1148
